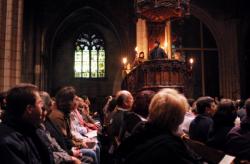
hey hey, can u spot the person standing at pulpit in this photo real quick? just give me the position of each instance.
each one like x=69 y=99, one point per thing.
x=157 y=52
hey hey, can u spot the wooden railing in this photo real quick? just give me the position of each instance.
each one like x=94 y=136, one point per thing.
x=155 y=75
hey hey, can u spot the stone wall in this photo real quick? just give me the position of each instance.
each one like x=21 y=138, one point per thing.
x=11 y=19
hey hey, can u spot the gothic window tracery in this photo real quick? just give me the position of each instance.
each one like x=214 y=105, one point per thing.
x=89 y=56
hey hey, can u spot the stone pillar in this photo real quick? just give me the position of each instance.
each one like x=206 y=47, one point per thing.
x=19 y=41
x=229 y=73
x=141 y=37
x=11 y=42
x=226 y=36
x=3 y=4
x=168 y=40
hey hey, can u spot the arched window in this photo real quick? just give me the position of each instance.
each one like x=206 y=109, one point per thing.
x=89 y=56
x=193 y=39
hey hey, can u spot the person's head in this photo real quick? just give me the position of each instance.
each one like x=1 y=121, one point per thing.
x=247 y=106
x=141 y=55
x=79 y=101
x=65 y=99
x=205 y=105
x=24 y=102
x=167 y=109
x=111 y=106
x=47 y=103
x=156 y=43
x=124 y=99
x=239 y=103
x=82 y=106
x=225 y=113
x=86 y=100
x=191 y=102
x=141 y=104
x=3 y=100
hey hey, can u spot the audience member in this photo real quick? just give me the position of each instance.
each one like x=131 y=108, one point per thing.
x=88 y=121
x=202 y=125
x=60 y=155
x=108 y=109
x=66 y=103
x=149 y=129
x=2 y=104
x=78 y=125
x=142 y=101
x=241 y=112
x=138 y=113
x=223 y=122
x=156 y=141
x=188 y=118
x=238 y=139
x=124 y=101
x=19 y=142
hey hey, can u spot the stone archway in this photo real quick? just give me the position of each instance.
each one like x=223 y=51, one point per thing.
x=225 y=35
x=245 y=60
x=62 y=44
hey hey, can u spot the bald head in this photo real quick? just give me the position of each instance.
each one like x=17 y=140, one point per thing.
x=124 y=99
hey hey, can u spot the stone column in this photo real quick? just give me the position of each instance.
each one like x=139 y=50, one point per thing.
x=229 y=73
x=168 y=40
x=226 y=37
x=11 y=42
x=3 y=4
x=141 y=37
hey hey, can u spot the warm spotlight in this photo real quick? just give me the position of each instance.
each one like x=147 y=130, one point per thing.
x=124 y=60
x=191 y=61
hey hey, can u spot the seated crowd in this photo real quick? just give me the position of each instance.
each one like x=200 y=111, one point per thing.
x=148 y=127
x=38 y=129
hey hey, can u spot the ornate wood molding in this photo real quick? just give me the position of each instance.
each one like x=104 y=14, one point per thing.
x=161 y=10
x=155 y=75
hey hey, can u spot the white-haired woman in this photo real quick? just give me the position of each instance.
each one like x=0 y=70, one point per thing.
x=157 y=141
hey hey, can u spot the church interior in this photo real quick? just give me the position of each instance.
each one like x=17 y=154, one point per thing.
x=93 y=45
x=39 y=40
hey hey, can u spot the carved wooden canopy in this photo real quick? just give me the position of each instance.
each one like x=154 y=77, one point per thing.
x=161 y=10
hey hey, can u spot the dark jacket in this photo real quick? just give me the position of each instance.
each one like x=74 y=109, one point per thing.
x=217 y=138
x=238 y=140
x=19 y=144
x=200 y=128
x=152 y=145
x=222 y=124
x=61 y=140
x=116 y=123
x=59 y=155
x=157 y=53
x=130 y=120
x=62 y=143
x=58 y=124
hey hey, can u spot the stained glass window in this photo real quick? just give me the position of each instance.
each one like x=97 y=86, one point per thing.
x=89 y=61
